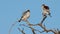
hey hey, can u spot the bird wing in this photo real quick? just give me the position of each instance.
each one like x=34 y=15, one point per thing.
x=46 y=7
x=26 y=15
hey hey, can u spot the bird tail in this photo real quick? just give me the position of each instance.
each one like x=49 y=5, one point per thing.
x=20 y=19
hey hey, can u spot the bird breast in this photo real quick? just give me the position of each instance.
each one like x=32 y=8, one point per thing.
x=26 y=16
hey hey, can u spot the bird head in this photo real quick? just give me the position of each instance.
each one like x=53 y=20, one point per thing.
x=28 y=10
x=43 y=4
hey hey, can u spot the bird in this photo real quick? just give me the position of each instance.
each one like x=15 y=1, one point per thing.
x=25 y=16
x=46 y=10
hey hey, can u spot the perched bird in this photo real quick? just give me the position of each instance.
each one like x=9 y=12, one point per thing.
x=46 y=10
x=25 y=16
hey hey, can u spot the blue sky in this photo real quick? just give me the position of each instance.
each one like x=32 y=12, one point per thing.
x=11 y=11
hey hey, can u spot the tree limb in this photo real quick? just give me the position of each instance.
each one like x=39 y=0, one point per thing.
x=21 y=31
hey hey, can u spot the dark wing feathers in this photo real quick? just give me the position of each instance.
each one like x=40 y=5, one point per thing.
x=46 y=7
x=20 y=19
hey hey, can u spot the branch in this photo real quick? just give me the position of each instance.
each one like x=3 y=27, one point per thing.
x=45 y=29
x=43 y=19
x=21 y=31
x=42 y=26
x=33 y=30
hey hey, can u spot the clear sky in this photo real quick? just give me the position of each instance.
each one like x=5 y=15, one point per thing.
x=11 y=11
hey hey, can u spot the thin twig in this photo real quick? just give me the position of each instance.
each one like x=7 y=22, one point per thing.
x=21 y=31
x=43 y=19
x=42 y=26
x=30 y=28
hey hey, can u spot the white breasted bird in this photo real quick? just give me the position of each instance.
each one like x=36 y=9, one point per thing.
x=46 y=10
x=25 y=16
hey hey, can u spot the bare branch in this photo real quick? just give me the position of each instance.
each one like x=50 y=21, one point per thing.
x=33 y=30
x=43 y=19
x=41 y=25
x=21 y=31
